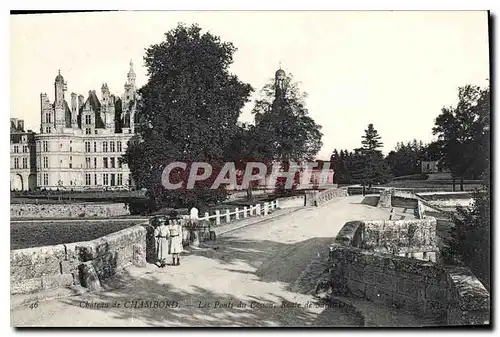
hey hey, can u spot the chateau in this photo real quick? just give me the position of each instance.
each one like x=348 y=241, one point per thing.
x=80 y=144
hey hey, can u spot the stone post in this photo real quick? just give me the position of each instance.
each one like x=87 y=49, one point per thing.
x=258 y=210
x=266 y=208
x=228 y=216
x=217 y=217
x=237 y=213
x=139 y=255
x=206 y=216
x=193 y=214
x=89 y=276
x=245 y=209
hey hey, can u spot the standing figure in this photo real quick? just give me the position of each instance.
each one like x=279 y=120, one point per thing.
x=161 y=236
x=175 y=239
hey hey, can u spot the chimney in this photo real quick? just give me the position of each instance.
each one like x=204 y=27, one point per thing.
x=20 y=125
x=73 y=102
x=80 y=101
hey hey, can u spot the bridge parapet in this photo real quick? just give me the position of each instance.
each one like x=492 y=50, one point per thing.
x=318 y=198
x=363 y=264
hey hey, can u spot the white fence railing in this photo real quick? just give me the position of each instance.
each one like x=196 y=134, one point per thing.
x=241 y=213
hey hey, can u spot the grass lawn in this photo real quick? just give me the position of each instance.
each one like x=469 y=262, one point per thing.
x=37 y=234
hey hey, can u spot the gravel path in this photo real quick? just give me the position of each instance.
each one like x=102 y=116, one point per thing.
x=245 y=279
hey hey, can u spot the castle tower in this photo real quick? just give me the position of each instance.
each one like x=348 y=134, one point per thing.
x=47 y=120
x=279 y=81
x=131 y=74
x=74 y=111
x=60 y=88
x=128 y=99
x=279 y=87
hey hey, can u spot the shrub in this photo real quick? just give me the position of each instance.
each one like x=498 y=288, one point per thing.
x=470 y=236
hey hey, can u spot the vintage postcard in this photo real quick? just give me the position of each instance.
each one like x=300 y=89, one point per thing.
x=250 y=169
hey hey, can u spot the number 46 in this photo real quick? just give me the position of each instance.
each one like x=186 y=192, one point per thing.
x=33 y=305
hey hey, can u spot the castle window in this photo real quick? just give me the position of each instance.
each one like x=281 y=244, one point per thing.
x=45 y=162
x=95 y=179
x=87 y=179
x=70 y=165
x=45 y=146
x=95 y=131
x=47 y=129
x=119 y=146
x=16 y=163
x=88 y=131
x=104 y=146
x=88 y=119
x=16 y=148
x=87 y=146
x=120 y=163
x=95 y=146
x=119 y=179
x=105 y=162
x=25 y=163
x=95 y=162
x=105 y=179
x=25 y=148
x=46 y=179
x=112 y=160
x=111 y=146
x=87 y=162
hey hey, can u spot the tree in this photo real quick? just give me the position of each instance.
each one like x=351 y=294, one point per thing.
x=250 y=144
x=371 y=139
x=406 y=159
x=373 y=168
x=281 y=115
x=463 y=133
x=189 y=109
x=471 y=234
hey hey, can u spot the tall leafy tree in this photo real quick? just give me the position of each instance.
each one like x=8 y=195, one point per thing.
x=189 y=109
x=464 y=133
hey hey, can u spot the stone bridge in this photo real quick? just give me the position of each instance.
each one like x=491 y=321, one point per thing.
x=260 y=274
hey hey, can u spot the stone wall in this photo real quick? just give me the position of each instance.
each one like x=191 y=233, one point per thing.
x=450 y=294
x=360 y=267
x=409 y=238
x=80 y=263
x=73 y=210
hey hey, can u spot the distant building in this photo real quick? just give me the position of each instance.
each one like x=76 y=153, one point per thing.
x=80 y=144
x=22 y=157
x=433 y=166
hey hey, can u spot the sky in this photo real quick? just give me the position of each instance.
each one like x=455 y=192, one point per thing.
x=393 y=69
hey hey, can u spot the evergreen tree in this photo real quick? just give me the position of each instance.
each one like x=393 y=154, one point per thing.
x=374 y=170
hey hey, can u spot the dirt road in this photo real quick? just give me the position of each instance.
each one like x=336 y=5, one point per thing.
x=244 y=279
